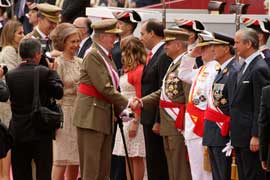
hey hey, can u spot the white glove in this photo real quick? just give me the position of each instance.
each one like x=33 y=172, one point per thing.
x=228 y=149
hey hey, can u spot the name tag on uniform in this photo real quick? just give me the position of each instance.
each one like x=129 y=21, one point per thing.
x=245 y=82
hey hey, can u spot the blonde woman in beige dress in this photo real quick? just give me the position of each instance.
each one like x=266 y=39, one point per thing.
x=66 y=38
x=11 y=36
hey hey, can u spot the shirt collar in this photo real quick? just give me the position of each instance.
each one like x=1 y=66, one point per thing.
x=156 y=47
x=105 y=50
x=43 y=36
x=251 y=57
x=178 y=58
x=222 y=67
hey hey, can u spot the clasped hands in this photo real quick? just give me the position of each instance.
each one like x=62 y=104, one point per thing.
x=135 y=103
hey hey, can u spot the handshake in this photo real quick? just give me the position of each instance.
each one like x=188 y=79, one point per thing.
x=128 y=113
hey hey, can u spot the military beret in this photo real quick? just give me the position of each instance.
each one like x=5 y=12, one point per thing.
x=172 y=34
x=192 y=25
x=51 y=12
x=128 y=16
x=263 y=26
x=106 y=26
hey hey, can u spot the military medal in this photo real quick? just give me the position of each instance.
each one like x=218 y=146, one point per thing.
x=202 y=98
x=225 y=70
x=172 y=85
x=217 y=67
x=196 y=101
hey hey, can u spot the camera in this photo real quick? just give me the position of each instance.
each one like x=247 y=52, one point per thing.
x=4 y=67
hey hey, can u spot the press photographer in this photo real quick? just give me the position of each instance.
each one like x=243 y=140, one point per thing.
x=29 y=141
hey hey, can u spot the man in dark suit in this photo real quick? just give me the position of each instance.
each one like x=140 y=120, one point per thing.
x=244 y=99
x=216 y=127
x=84 y=26
x=29 y=141
x=264 y=128
x=156 y=66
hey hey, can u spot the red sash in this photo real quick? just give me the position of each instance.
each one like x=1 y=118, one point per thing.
x=179 y=122
x=197 y=116
x=218 y=117
x=91 y=91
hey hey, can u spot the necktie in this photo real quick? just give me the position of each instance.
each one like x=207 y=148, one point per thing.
x=240 y=73
x=110 y=56
x=149 y=56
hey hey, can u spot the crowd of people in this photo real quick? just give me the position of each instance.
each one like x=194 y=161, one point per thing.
x=173 y=104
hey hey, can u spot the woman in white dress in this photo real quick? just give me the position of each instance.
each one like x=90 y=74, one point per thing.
x=133 y=59
x=66 y=38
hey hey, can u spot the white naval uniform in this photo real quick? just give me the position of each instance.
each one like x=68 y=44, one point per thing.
x=203 y=84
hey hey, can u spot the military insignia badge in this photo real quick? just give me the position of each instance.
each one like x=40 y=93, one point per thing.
x=217 y=67
x=172 y=86
x=225 y=70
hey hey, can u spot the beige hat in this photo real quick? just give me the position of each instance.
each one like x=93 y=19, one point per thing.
x=173 y=34
x=106 y=26
x=51 y=12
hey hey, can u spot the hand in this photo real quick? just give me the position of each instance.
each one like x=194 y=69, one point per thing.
x=135 y=104
x=254 y=144
x=196 y=52
x=54 y=53
x=264 y=166
x=1 y=72
x=52 y=65
x=156 y=128
x=132 y=130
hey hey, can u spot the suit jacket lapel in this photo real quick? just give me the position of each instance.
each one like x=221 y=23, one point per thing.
x=224 y=71
x=84 y=47
x=246 y=73
x=152 y=60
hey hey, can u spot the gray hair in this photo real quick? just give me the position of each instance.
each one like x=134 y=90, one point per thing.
x=29 y=47
x=252 y=36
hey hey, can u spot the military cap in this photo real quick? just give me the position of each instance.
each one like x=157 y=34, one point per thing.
x=51 y=12
x=205 y=39
x=222 y=39
x=192 y=25
x=263 y=26
x=106 y=26
x=173 y=34
x=128 y=16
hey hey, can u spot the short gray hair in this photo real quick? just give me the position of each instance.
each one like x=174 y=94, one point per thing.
x=28 y=47
x=252 y=36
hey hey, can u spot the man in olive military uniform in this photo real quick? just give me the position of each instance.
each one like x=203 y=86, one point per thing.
x=97 y=102
x=172 y=98
x=48 y=17
x=217 y=118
